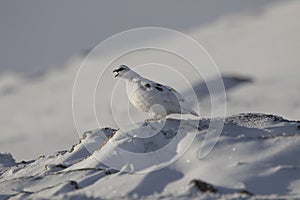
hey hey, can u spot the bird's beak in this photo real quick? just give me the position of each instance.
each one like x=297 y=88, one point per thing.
x=117 y=73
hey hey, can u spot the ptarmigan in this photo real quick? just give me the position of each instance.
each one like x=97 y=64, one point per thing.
x=151 y=97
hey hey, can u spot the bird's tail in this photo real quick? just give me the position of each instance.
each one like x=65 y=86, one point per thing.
x=194 y=113
x=187 y=110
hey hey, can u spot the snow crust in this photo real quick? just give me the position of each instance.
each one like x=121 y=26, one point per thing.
x=256 y=156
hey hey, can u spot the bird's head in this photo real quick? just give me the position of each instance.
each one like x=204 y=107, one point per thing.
x=123 y=72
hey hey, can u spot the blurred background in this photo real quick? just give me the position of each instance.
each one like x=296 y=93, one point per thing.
x=255 y=44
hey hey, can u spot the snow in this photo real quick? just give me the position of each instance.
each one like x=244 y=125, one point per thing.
x=6 y=160
x=256 y=153
x=257 y=54
x=260 y=46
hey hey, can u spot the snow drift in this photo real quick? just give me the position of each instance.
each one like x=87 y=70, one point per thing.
x=257 y=155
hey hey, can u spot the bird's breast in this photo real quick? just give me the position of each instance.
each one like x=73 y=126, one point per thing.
x=140 y=99
x=138 y=96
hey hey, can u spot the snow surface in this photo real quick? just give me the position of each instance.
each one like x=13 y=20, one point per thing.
x=261 y=45
x=257 y=52
x=257 y=156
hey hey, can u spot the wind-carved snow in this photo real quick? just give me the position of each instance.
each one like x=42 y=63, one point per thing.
x=257 y=154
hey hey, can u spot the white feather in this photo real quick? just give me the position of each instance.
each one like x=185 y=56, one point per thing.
x=151 y=97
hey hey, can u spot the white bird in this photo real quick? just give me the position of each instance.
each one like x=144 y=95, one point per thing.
x=151 y=97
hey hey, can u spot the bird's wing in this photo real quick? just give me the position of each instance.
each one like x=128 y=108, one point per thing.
x=167 y=96
x=178 y=95
x=166 y=93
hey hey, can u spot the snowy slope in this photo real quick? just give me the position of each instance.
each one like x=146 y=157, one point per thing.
x=257 y=155
x=262 y=45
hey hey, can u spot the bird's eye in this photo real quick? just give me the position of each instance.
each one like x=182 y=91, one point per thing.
x=121 y=69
